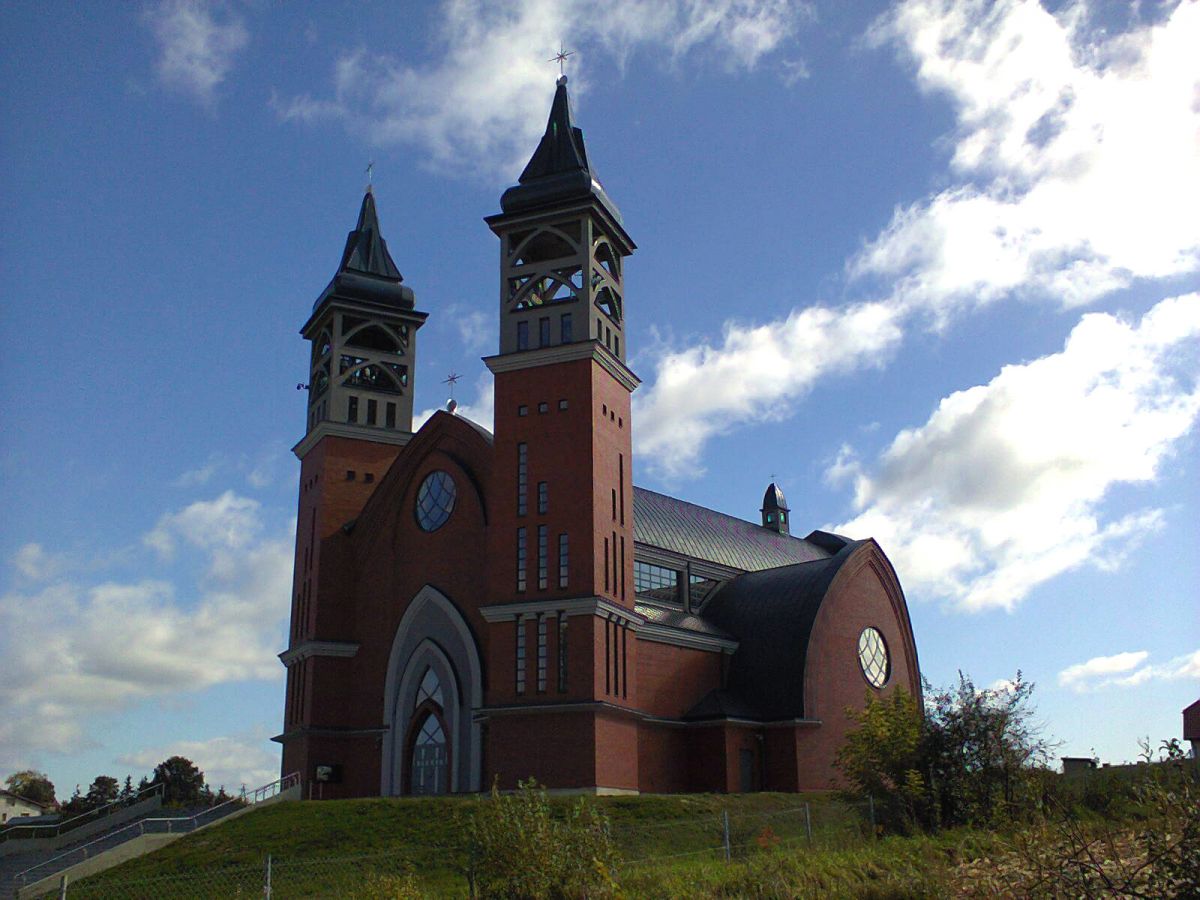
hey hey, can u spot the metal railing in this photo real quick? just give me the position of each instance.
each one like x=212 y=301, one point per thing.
x=162 y=825
x=55 y=829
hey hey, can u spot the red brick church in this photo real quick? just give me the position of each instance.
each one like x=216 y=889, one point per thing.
x=472 y=606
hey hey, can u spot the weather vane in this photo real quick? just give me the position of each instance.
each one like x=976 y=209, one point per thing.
x=370 y=174
x=561 y=57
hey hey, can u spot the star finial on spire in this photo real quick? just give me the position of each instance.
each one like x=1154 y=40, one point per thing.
x=452 y=380
x=561 y=57
x=370 y=174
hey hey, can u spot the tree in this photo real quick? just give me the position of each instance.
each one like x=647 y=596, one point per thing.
x=127 y=790
x=104 y=789
x=182 y=782
x=981 y=750
x=31 y=785
x=882 y=757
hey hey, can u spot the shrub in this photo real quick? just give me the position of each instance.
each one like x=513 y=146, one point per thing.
x=517 y=848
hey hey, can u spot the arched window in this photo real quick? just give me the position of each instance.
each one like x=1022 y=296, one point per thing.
x=429 y=756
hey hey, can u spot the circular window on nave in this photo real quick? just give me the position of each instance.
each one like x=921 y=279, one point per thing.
x=873 y=657
x=435 y=500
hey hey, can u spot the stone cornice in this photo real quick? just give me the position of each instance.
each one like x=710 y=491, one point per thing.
x=306 y=649
x=681 y=637
x=575 y=606
x=328 y=428
x=548 y=356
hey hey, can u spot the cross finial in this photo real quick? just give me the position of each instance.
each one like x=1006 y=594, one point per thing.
x=772 y=476
x=370 y=174
x=561 y=57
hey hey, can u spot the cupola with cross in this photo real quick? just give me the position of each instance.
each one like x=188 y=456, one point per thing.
x=363 y=342
x=562 y=244
x=775 y=510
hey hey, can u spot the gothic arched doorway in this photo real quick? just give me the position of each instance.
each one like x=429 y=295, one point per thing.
x=432 y=743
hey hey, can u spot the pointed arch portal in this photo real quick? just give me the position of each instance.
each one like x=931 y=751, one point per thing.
x=434 y=685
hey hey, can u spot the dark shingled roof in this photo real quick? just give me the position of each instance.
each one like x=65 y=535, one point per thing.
x=674 y=618
x=682 y=527
x=771 y=614
x=722 y=704
x=367 y=271
x=558 y=170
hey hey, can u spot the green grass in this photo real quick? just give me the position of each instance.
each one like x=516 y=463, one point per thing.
x=672 y=846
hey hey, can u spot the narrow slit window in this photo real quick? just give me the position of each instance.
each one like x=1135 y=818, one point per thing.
x=543 y=497
x=607 y=657
x=390 y=419
x=353 y=416
x=522 y=335
x=563 y=560
x=541 y=653
x=617 y=344
x=562 y=651
x=522 y=478
x=372 y=411
x=544 y=332
x=564 y=332
x=543 y=554
x=606 y=564
x=520 y=559
x=520 y=656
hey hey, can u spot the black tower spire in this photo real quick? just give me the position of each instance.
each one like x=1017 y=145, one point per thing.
x=775 y=510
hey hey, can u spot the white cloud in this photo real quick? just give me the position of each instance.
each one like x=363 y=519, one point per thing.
x=35 y=563
x=231 y=762
x=196 y=51
x=75 y=650
x=1076 y=158
x=229 y=521
x=1003 y=487
x=1126 y=670
x=752 y=376
x=482 y=105
x=476 y=328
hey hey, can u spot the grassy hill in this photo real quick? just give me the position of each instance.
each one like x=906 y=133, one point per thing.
x=359 y=847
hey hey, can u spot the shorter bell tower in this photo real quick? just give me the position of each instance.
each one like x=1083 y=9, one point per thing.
x=362 y=355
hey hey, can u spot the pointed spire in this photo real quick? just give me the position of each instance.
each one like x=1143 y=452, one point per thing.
x=558 y=171
x=367 y=271
x=366 y=250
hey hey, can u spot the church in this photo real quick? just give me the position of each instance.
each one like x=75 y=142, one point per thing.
x=475 y=607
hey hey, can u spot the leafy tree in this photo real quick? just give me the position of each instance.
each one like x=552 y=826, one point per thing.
x=982 y=750
x=126 y=795
x=104 y=790
x=76 y=805
x=31 y=785
x=882 y=757
x=182 y=782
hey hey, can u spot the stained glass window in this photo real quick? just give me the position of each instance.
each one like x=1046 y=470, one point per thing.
x=873 y=657
x=435 y=500
x=430 y=689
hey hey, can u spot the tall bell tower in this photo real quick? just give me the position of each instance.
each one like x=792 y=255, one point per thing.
x=362 y=355
x=560 y=541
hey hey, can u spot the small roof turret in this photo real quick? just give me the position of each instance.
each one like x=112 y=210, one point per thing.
x=558 y=170
x=775 y=510
x=367 y=271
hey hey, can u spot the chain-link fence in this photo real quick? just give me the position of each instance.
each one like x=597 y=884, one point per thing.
x=418 y=870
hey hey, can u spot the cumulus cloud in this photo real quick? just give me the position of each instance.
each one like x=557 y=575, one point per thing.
x=229 y=521
x=1126 y=670
x=482 y=104
x=73 y=650
x=1075 y=166
x=36 y=563
x=232 y=762
x=196 y=49
x=753 y=375
x=1004 y=486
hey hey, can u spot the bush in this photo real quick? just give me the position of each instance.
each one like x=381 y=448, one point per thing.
x=517 y=848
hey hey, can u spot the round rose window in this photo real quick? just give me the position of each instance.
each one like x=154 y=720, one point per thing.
x=435 y=500
x=873 y=657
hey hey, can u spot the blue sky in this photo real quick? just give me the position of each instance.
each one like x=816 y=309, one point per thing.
x=935 y=269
